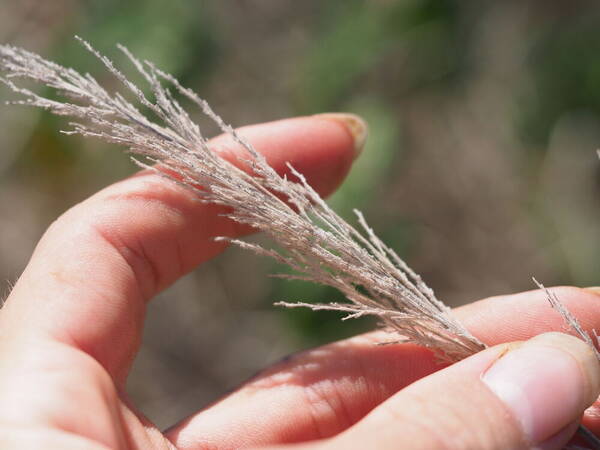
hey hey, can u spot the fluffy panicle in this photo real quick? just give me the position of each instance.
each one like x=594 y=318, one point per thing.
x=319 y=245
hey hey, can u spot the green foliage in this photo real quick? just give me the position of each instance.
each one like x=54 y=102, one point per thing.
x=566 y=75
x=355 y=39
x=177 y=36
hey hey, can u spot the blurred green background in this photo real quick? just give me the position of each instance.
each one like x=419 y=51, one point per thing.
x=480 y=168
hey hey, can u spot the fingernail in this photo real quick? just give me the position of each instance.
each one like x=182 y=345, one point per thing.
x=546 y=383
x=356 y=125
x=593 y=289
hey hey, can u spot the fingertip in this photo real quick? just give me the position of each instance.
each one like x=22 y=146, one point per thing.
x=527 y=314
x=321 y=147
x=593 y=290
x=353 y=124
x=545 y=383
x=585 y=357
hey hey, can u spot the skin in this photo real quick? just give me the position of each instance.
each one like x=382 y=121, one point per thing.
x=72 y=326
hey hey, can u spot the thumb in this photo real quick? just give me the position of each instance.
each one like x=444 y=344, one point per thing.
x=512 y=396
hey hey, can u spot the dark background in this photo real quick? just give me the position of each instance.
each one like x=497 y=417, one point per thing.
x=480 y=169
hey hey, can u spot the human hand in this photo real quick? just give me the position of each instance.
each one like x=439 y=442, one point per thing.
x=73 y=321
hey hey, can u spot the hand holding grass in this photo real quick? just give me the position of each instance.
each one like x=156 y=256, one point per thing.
x=73 y=322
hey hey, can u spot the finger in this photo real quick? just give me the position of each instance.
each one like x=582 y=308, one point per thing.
x=309 y=396
x=321 y=392
x=521 y=316
x=91 y=274
x=510 y=396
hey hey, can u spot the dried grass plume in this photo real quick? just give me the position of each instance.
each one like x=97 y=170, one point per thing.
x=311 y=238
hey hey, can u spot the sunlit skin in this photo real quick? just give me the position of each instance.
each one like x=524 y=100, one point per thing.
x=72 y=326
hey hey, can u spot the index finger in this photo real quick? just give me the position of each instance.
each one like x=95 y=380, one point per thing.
x=94 y=269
